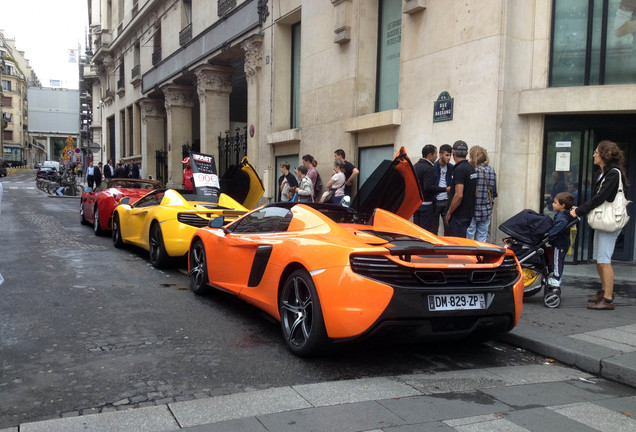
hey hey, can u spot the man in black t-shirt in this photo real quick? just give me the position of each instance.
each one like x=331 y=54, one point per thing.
x=463 y=192
x=350 y=171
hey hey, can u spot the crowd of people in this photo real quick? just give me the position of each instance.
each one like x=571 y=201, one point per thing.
x=96 y=174
x=461 y=194
x=309 y=186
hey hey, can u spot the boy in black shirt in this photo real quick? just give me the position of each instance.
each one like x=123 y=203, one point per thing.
x=560 y=241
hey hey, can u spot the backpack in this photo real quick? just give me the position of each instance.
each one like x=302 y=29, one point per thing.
x=318 y=187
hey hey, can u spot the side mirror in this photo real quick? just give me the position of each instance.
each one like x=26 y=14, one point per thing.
x=88 y=189
x=346 y=201
x=125 y=200
x=217 y=222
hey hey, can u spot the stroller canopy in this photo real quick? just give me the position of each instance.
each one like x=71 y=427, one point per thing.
x=527 y=226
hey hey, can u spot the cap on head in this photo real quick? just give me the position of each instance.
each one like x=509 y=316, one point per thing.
x=460 y=146
x=186 y=160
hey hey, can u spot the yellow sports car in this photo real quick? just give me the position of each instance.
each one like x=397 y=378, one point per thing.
x=164 y=221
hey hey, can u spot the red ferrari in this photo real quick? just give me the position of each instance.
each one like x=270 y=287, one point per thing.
x=97 y=205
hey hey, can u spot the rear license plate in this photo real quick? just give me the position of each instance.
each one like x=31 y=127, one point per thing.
x=444 y=302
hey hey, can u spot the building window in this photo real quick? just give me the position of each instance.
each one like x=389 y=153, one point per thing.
x=7 y=135
x=593 y=43
x=156 y=46
x=295 y=77
x=122 y=132
x=389 y=38
x=6 y=85
x=185 y=35
x=131 y=143
x=7 y=101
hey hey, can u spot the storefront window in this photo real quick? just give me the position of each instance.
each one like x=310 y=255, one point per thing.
x=593 y=43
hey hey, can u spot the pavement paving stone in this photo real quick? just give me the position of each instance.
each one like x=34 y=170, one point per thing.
x=419 y=427
x=253 y=403
x=339 y=418
x=535 y=374
x=544 y=394
x=350 y=391
x=598 y=417
x=616 y=335
x=544 y=419
x=14 y=429
x=460 y=381
x=625 y=405
x=420 y=409
x=154 y=419
x=485 y=424
x=249 y=424
x=604 y=387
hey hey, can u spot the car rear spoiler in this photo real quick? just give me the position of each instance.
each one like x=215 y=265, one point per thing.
x=407 y=249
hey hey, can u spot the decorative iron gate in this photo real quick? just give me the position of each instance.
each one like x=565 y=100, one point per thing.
x=232 y=149
x=162 y=166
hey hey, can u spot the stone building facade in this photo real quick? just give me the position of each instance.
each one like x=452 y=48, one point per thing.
x=16 y=144
x=275 y=80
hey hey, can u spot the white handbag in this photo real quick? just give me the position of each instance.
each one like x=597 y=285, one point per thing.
x=610 y=216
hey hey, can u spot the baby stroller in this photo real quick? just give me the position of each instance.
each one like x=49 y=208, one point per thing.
x=528 y=231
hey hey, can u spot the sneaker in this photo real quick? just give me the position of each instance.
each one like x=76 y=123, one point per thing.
x=596 y=297
x=554 y=282
x=602 y=305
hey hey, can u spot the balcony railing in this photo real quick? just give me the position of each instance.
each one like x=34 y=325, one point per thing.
x=156 y=57
x=185 y=35
x=135 y=71
x=135 y=9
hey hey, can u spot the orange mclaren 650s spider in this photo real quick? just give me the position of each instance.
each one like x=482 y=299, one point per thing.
x=333 y=273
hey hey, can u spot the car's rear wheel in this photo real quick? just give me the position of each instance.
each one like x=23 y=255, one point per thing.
x=301 y=317
x=198 y=269
x=117 y=240
x=82 y=218
x=159 y=258
x=97 y=229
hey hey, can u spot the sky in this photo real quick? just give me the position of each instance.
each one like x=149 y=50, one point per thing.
x=46 y=30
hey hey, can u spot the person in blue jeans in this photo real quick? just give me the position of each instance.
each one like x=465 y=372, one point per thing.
x=486 y=193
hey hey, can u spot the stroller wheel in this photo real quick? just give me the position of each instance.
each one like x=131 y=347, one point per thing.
x=552 y=298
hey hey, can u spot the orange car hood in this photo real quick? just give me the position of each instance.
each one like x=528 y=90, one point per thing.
x=393 y=187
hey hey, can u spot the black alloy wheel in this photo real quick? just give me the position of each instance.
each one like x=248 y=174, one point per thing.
x=117 y=240
x=198 y=269
x=158 y=256
x=301 y=317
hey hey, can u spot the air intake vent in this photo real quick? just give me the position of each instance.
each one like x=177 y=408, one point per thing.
x=192 y=219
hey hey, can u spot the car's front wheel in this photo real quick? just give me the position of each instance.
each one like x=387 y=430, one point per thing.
x=301 y=317
x=198 y=268
x=97 y=229
x=159 y=258
x=117 y=240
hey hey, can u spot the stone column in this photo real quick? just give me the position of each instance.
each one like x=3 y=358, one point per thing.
x=153 y=138
x=214 y=86
x=179 y=101
x=253 y=62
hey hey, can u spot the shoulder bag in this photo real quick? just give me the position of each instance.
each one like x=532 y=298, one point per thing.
x=610 y=216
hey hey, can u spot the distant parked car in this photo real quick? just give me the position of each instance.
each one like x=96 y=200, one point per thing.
x=3 y=168
x=97 y=205
x=47 y=173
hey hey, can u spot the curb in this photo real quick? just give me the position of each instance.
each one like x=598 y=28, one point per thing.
x=608 y=363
